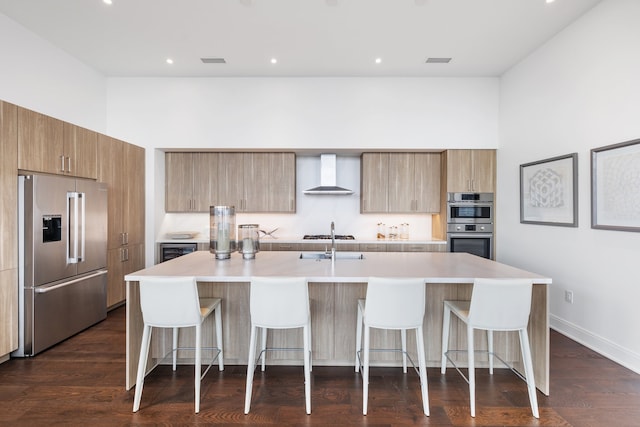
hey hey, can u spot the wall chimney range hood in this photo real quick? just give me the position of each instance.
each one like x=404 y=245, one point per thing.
x=328 y=178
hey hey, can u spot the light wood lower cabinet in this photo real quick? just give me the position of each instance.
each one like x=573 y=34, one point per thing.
x=120 y=262
x=8 y=312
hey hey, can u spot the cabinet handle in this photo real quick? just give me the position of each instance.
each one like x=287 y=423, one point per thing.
x=62 y=164
x=69 y=164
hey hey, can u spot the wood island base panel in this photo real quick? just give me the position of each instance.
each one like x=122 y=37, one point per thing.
x=334 y=288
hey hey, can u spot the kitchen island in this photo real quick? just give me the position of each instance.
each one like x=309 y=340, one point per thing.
x=334 y=288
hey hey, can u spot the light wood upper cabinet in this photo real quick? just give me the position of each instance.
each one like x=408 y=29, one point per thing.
x=374 y=182
x=40 y=142
x=471 y=170
x=49 y=145
x=251 y=182
x=191 y=181
x=80 y=151
x=400 y=183
x=134 y=187
x=110 y=171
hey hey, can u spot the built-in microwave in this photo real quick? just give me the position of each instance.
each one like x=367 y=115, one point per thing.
x=470 y=208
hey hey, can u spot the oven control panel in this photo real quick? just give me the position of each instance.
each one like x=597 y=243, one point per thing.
x=470 y=228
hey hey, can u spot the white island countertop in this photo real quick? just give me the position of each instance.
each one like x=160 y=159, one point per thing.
x=434 y=267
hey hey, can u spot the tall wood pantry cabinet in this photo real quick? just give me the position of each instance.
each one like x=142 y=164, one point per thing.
x=8 y=229
x=121 y=166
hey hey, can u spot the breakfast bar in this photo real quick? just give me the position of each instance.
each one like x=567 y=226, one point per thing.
x=334 y=288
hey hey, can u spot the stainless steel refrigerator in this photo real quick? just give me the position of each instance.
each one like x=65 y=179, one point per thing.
x=62 y=259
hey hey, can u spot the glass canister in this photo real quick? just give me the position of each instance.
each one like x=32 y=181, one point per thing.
x=382 y=231
x=223 y=231
x=404 y=231
x=248 y=240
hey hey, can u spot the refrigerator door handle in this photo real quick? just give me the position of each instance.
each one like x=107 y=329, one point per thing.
x=72 y=215
x=45 y=289
x=83 y=230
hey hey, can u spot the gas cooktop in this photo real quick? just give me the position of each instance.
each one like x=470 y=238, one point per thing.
x=328 y=236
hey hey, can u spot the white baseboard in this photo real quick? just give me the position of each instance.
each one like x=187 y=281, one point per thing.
x=603 y=346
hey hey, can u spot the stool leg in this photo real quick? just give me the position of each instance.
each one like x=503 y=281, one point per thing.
x=446 y=318
x=365 y=371
x=251 y=366
x=264 y=347
x=174 y=349
x=422 y=364
x=356 y=363
x=490 y=346
x=403 y=337
x=218 y=314
x=307 y=367
x=528 y=371
x=198 y=367
x=142 y=366
x=472 y=375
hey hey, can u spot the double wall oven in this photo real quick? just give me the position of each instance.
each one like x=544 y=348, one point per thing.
x=470 y=223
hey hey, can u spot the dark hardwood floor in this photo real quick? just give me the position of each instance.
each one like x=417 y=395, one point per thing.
x=81 y=382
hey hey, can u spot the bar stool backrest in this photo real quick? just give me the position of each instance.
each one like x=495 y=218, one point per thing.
x=500 y=304
x=279 y=302
x=169 y=302
x=396 y=303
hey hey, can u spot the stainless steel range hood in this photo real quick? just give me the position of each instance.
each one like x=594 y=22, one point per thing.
x=328 y=177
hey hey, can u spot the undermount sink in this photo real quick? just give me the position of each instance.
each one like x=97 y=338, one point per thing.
x=324 y=255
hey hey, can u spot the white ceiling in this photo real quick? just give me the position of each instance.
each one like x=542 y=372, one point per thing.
x=308 y=37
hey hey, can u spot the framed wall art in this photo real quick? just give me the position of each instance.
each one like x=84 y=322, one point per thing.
x=615 y=186
x=549 y=191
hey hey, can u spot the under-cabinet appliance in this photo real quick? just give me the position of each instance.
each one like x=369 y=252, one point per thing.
x=62 y=259
x=469 y=208
x=470 y=223
x=174 y=250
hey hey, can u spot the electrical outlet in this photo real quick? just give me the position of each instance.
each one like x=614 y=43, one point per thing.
x=568 y=296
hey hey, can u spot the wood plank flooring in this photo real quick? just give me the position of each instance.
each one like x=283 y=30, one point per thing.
x=81 y=382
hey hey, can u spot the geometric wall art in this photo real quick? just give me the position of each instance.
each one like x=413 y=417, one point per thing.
x=549 y=191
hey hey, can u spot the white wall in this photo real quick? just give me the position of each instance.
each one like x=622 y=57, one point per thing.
x=331 y=114
x=579 y=91
x=36 y=75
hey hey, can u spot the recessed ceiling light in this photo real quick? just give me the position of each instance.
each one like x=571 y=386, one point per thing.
x=107 y=2
x=438 y=60
x=169 y=61
x=274 y=61
x=550 y=1
x=378 y=60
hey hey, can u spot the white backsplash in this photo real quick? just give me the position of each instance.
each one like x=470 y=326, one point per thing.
x=314 y=213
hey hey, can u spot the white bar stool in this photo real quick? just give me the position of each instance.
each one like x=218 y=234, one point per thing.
x=496 y=305
x=399 y=304
x=279 y=303
x=173 y=302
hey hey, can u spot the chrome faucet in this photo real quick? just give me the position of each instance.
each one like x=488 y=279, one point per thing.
x=333 y=240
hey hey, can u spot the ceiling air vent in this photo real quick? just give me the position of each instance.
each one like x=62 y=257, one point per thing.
x=438 y=60
x=213 y=60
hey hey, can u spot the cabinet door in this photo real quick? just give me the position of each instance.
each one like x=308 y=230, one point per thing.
x=8 y=186
x=282 y=182
x=374 y=183
x=110 y=171
x=427 y=183
x=133 y=213
x=459 y=169
x=79 y=152
x=401 y=182
x=40 y=142
x=115 y=276
x=256 y=182
x=231 y=180
x=205 y=181
x=178 y=182
x=8 y=311
x=484 y=171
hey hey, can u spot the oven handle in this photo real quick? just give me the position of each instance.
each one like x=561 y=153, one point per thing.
x=475 y=235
